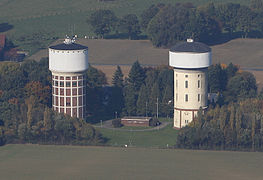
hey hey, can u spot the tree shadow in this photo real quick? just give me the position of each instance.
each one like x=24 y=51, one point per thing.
x=5 y=27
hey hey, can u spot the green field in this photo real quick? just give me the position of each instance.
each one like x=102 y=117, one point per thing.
x=156 y=138
x=26 y=162
x=34 y=19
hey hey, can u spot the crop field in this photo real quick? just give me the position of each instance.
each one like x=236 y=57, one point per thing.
x=107 y=54
x=26 y=162
x=33 y=19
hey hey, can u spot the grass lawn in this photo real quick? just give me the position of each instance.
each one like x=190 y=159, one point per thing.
x=30 y=162
x=157 y=138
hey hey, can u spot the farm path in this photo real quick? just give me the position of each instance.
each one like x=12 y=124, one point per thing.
x=108 y=125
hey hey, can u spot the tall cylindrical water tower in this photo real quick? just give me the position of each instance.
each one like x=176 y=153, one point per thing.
x=190 y=61
x=68 y=62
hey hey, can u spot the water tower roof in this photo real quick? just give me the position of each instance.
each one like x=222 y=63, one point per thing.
x=191 y=46
x=70 y=46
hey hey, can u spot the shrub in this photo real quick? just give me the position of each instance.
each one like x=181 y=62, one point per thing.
x=116 y=123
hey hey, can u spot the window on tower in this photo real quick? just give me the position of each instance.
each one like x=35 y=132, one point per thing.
x=186 y=98
x=198 y=83
x=67 y=84
x=74 y=84
x=186 y=76
x=186 y=84
x=198 y=97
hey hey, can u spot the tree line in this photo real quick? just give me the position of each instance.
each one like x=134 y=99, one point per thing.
x=165 y=24
x=25 y=109
x=135 y=95
x=234 y=121
x=236 y=126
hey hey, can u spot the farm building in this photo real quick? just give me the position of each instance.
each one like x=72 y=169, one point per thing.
x=136 y=121
x=190 y=61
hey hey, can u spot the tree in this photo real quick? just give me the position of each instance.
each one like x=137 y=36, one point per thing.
x=130 y=99
x=228 y=15
x=130 y=24
x=143 y=101
x=245 y=20
x=95 y=77
x=102 y=21
x=231 y=70
x=117 y=79
x=155 y=96
x=136 y=76
x=243 y=85
x=149 y=13
x=217 y=79
x=256 y=5
x=167 y=102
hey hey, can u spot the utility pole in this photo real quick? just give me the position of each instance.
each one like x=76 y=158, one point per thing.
x=116 y=114
x=157 y=108
x=146 y=109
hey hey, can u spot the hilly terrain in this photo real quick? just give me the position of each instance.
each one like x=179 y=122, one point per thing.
x=36 y=23
x=107 y=54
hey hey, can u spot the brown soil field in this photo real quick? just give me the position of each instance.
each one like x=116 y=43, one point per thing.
x=107 y=54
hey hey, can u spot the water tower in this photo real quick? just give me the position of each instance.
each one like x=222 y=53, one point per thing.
x=190 y=61
x=68 y=62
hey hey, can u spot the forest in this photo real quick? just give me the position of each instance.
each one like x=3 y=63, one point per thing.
x=234 y=121
x=165 y=24
x=26 y=115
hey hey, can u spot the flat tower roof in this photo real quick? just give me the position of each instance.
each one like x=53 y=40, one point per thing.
x=194 y=47
x=71 y=46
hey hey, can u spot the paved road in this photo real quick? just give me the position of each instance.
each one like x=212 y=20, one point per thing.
x=108 y=125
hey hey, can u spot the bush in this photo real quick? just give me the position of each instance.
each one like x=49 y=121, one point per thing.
x=154 y=122
x=116 y=123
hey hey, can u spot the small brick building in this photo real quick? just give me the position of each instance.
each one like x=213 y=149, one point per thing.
x=136 y=121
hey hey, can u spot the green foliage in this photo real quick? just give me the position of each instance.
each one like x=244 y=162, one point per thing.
x=95 y=77
x=129 y=24
x=102 y=21
x=117 y=79
x=149 y=13
x=236 y=127
x=154 y=122
x=116 y=123
x=136 y=76
x=171 y=24
x=241 y=86
x=216 y=79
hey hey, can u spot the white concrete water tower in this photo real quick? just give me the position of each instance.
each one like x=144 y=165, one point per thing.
x=190 y=61
x=68 y=62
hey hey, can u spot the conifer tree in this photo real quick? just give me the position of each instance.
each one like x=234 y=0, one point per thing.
x=117 y=79
x=143 y=101
x=130 y=99
x=136 y=76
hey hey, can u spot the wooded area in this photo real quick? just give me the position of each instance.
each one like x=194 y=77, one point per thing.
x=165 y=24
